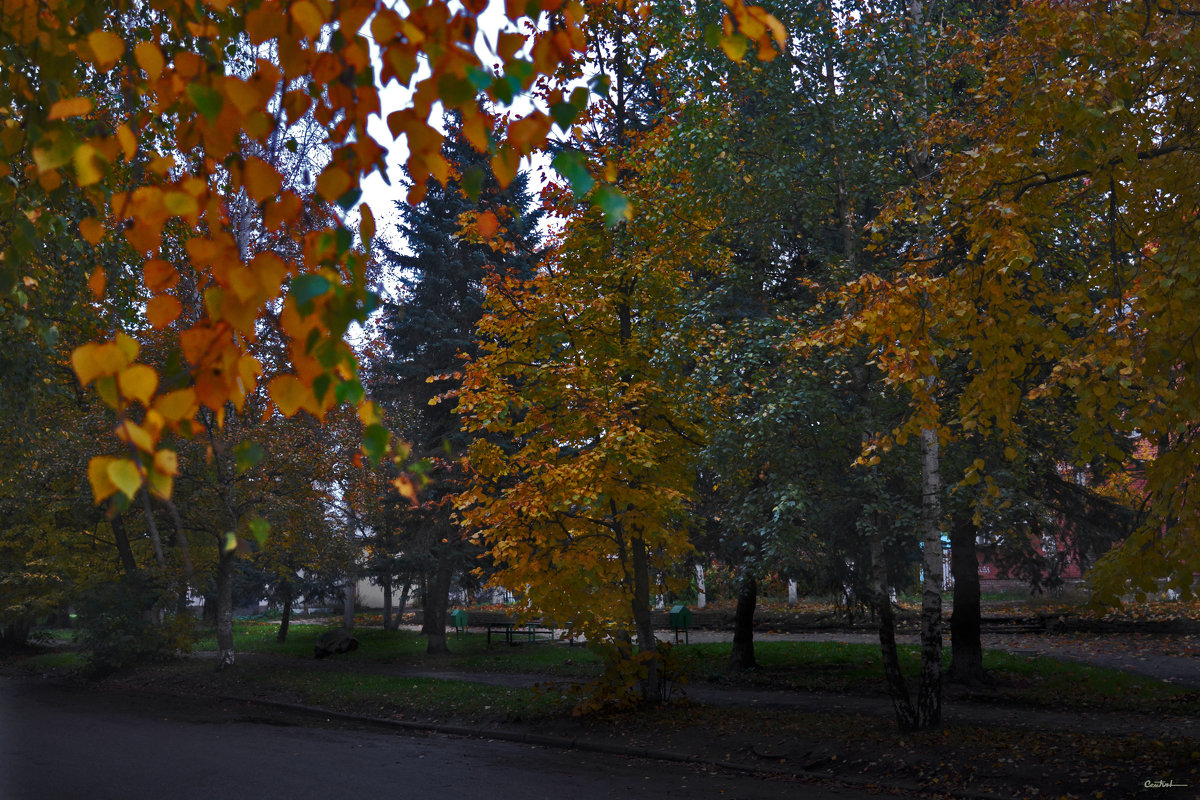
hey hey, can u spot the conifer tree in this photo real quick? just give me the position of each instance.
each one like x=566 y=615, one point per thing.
x=440 y=270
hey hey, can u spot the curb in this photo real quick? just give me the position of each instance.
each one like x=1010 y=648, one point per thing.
x=609 y=748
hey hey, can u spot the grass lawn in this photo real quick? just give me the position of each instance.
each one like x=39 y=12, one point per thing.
x=797 y=666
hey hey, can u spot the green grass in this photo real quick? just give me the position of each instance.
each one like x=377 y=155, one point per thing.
x=858 y=668
x=68 y=661
x=392 y=695
x=470 y=652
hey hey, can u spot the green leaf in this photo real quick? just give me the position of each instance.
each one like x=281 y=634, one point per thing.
x=614 y=204
x=570 y=164
x=321 y=385
x=472 y=183
x=600 y=84
x=481 y=79
x=456 y=91
x=564 y=114
x=208 y=101
x=350 y=392
x=375 y=441
x=350 y=199
x=260 y=529
x=230 y=543
x=306 y=288
x=247 y=456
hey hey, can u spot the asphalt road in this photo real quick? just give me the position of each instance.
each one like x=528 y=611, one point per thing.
x=60 y=742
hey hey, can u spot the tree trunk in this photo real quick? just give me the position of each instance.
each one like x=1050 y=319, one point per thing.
x=435 y=607
x=225 y=607
x=906 y=715
x=647 y=643
x=741 y=657
x=348 y=606
x=966 y=665
x=399 y=619
x=124 y=551
x=385 y=586
x=929 y=695
x=285 y=616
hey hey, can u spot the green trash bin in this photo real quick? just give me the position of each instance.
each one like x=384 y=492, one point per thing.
x=681 y=620
x=458 y=618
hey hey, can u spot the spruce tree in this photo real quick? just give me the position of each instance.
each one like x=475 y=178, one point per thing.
x=441 y=274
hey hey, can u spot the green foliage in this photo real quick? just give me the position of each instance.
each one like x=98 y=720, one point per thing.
x=124 y=622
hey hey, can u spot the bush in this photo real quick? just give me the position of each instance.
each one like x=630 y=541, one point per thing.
x=124 y=622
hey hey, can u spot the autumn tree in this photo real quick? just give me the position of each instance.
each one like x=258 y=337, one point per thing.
x=583 y=369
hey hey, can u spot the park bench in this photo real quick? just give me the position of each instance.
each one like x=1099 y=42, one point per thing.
x=505 y=627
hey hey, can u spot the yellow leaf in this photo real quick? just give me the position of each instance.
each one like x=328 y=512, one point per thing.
x=124 y=475
x=136 y=435
x=405 y=487
x=162 y=310
x=96 y=283
x=368 y=413
x=166 y=462
x=261 y=180
x=289 y=394
x=128 y=346
x=734 y=46
x=242 y=94
x=127 y=141
x=102 y=485
x=138 y=382
x=149 y=58
x=94 y=360
x=177 y=405
x=92 y=231
x=308 y=17
x=75 y=107
x=1010 y=453
x=88 y=168
x=107 y=47
x=160 y=483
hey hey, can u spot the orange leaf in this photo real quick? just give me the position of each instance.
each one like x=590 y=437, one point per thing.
x=261 y=179
x=162 y=310
x=96 y=283
x=75 y=107
x=92 y=230
x=333 y=183
x=159 y=275
x=487 y=224
x=308 y=17
x=366 y=225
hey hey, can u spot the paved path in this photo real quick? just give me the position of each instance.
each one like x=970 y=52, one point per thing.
x=57 y=742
